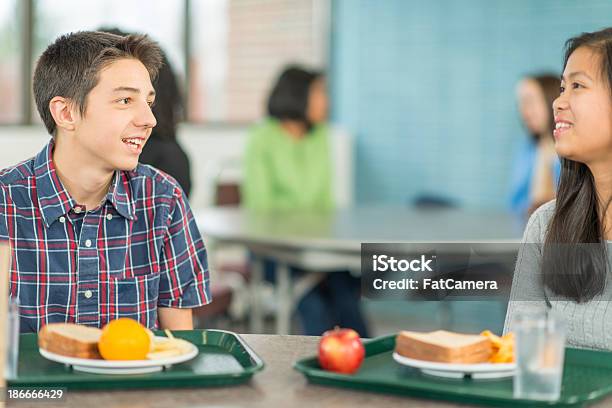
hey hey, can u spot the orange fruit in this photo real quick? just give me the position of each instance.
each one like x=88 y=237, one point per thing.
x=124 y=339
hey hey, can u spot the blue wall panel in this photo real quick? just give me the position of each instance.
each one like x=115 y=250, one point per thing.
x=428 y=89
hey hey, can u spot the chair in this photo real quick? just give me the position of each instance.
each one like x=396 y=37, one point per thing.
x=231 y=277
x=433 y=201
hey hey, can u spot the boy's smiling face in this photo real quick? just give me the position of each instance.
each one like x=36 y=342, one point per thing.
x=118 y=120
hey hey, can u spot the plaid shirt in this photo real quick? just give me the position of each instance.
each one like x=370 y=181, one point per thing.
x=139 y=250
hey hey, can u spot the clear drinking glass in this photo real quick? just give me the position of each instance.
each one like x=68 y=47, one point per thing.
x=12 y=340
x=540 y=351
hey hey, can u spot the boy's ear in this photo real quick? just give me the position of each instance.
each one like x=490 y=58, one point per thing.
x=62 y=111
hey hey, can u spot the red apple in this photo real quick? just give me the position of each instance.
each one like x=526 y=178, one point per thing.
x=341 y=350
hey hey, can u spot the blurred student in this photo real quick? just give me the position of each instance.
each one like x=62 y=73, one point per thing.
x=536 y=167
x=162 y=150
x=288 y=163
x=288 y=168
x=564 y=264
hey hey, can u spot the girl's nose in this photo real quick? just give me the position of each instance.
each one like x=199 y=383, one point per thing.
x=559 y=104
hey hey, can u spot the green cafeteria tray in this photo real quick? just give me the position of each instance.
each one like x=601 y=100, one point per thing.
x=224 y=359
x=587 y=377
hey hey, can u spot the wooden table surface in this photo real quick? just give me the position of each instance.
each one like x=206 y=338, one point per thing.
x=278 y=385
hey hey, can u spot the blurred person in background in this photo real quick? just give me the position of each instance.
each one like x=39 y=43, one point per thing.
x=288 y=168
x=162 y=150
x=536 y=167
x=288 y=164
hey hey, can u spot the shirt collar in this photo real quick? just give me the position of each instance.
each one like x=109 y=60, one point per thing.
x=120 y=195
x=55 y=201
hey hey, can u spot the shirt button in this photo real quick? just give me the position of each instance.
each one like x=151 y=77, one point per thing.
x=88 y=243
x=62 y=219
x=109 y=216
x=77 y=210
x=88 y=294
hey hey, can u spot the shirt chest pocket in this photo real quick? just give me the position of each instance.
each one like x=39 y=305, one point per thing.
x=132 y=253
x=132 y=297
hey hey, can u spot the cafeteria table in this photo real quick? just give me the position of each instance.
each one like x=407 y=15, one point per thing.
x=331 y=241
x=278 y=385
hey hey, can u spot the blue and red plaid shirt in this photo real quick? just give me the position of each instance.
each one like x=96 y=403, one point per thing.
x=139 y=250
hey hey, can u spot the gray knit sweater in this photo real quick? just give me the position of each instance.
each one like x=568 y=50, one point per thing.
x=588 y=325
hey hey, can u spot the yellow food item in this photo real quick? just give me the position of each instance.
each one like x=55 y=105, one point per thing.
x=503 y=347
x=151 y=338
x=168 y=347
x=495 y=340
x=124 y=339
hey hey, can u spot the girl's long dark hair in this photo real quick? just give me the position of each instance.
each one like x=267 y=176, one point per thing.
x=575 y=263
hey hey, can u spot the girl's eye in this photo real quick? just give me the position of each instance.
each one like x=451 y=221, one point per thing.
x=576 y=85
x=124 y=101
x=561 y=89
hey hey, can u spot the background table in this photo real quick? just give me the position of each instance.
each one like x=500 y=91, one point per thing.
x=328 y=242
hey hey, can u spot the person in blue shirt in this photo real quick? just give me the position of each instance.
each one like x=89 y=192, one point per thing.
x=536 y=167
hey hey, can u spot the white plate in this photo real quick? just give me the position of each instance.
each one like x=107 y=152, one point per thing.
x=89 y=365
x=476 y=371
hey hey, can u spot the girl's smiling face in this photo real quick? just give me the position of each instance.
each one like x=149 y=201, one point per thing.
x=583 y=110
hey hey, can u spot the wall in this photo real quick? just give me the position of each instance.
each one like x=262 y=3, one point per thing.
x=427 y=89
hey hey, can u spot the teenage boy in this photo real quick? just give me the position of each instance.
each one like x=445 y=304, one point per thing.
x=95 y=235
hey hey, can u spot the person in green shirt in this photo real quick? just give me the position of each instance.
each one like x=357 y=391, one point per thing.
x=287 y=159
x=288 y=168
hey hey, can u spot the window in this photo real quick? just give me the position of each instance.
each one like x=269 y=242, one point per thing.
x=161 y=19
x=11 y=78
x=226 y=53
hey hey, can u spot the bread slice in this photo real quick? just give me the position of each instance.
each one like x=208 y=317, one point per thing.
x=444 y=347
x=72 y=340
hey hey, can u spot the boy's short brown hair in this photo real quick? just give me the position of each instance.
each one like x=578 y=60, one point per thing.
x=70 y=67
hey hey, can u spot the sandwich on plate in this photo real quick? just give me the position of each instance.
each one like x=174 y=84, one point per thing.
x=444 y=347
